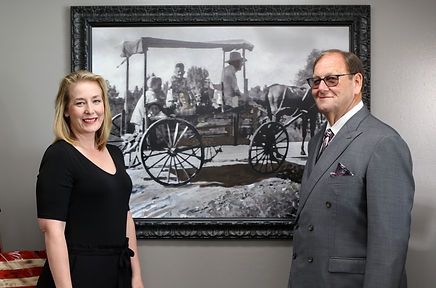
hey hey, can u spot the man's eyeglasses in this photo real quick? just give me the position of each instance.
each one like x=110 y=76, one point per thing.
x=330 y=81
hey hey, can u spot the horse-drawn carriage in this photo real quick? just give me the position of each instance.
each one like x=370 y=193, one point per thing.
x=174 y=148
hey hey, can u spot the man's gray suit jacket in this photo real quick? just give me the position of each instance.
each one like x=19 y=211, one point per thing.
x=352 y=229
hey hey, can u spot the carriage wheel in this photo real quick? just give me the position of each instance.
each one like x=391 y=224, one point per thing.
x=115 y=134
x=268 y=147
x=172 y=152
x=131 y=158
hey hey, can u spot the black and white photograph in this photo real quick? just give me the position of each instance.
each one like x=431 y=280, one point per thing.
x=213 y=120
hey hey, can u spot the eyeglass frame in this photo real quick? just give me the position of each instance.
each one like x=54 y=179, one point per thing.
x=312 y=80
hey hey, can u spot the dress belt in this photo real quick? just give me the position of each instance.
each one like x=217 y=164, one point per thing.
x=124 y=264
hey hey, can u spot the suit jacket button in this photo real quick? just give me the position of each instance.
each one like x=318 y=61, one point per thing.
x=310 y=259
x=310 y=227
x=328 y=204
x=294 y=255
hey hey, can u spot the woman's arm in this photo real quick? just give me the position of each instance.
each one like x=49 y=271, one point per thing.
x=57 y=253
x=136 y=268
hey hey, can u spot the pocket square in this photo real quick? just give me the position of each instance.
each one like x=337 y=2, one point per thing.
x=341 y=170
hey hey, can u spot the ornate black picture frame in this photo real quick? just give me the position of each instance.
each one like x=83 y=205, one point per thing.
x=84 y=18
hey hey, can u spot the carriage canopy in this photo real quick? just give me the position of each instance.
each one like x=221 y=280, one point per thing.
x=141 y=45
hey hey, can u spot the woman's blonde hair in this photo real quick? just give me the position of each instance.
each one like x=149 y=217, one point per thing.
x=61 y=127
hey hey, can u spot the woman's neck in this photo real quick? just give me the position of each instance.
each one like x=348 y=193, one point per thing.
x=86 y=142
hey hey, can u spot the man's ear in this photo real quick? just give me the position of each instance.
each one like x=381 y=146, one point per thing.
x=358 y=83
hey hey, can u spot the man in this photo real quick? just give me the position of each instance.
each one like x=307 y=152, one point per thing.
x=153 y=95
x=230 y=83
x=353 y=221
x=179 y=86
x=179 y=93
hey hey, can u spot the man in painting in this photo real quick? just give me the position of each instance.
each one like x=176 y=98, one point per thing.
x=179 y=94
x=352 y=226
x=153 y=95
x=230 y=84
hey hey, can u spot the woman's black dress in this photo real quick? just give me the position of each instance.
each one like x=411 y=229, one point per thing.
x=94 y=205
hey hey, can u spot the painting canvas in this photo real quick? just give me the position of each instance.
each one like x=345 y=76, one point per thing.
x=203 y=158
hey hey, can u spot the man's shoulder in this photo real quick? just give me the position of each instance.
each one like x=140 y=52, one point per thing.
x=377 y=130
x=377 y=124
x=229 y=69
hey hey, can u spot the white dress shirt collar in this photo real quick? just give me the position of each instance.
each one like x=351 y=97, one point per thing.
x=341 y=122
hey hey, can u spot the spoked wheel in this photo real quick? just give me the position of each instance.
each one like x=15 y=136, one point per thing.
x=131 y=153
x=115 y=135
x=268 y=147
x=127 y=143
x=172 y=152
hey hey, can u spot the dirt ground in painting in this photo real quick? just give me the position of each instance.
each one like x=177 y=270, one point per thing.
x=225 y=187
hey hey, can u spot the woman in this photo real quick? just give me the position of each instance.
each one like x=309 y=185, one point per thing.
x=83 y=194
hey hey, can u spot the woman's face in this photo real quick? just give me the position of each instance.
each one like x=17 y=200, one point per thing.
x=85 y=108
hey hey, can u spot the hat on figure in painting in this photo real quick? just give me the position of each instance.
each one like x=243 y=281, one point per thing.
x=236 y=56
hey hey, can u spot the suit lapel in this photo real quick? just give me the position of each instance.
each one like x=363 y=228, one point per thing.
x=337 y=146
x=311 y=159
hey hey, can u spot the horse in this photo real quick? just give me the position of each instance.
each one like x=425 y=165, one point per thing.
x=281 y=100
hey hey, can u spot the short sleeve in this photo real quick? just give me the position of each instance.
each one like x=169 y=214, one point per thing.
x=138 y=112
x=54 y=184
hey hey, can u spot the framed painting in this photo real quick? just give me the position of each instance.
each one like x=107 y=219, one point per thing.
x=211 y=108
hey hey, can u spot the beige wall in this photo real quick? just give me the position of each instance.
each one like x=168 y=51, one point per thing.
x=35 y=51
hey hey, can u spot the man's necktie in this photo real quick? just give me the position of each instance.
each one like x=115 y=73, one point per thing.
x=328 y=136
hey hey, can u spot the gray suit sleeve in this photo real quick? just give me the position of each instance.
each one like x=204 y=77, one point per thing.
x=389 y=192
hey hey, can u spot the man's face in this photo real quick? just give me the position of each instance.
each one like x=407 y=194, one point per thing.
x=335 y=101
x=237 y=65
x=179 y=72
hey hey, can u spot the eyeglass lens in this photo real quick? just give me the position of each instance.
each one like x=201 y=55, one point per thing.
x=330 y=81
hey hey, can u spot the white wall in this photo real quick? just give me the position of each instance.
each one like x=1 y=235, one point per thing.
x=35 y=51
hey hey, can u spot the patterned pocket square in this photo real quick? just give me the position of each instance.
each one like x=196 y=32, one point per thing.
x=341 y=170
